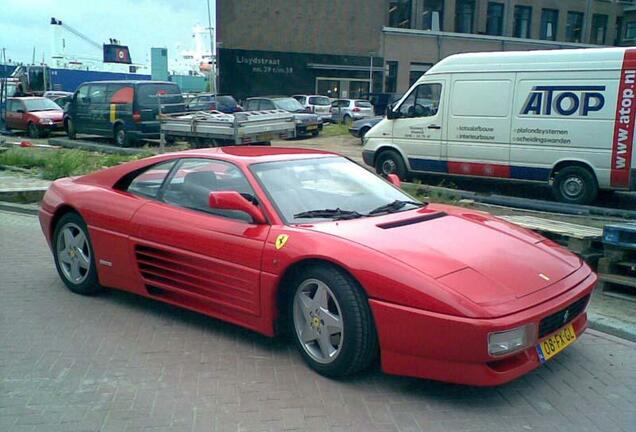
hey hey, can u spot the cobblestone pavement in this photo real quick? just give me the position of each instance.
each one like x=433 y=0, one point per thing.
x=117 y=362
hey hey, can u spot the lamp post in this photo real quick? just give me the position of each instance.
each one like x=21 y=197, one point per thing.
x=371 y=54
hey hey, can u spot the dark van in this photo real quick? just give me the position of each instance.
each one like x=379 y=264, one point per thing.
x=124 y=110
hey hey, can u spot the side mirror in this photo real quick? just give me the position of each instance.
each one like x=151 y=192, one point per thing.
x=231 y=200
x=390 y=114
x=394 y=180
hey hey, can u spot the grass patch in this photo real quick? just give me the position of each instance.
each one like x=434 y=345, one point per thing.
x=334 y=129
x=54 y=164
x=425 y=193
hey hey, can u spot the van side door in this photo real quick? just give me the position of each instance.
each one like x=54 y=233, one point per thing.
x=418 y=128
x=98 y=110
x=479 y=121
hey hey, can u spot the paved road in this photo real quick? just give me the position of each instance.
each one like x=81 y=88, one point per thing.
x=117 y=362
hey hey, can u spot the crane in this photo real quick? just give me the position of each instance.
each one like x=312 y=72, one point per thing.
x=82 y=36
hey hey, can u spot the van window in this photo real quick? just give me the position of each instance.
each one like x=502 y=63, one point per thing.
x=82 y=95
x=363 y=104
x=319 y=100
x=423 y=101
x=97 y=93
x=481 y=98
x=120 y=93
x=147 y=94
x=252 y=105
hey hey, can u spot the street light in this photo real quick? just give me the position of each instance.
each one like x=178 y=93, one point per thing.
x=371 y=54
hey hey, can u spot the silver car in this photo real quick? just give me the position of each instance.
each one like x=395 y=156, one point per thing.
x=319 y=105
x=306 y=123
x=348 y=110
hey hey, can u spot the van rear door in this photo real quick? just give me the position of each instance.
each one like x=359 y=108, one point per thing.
x=418 y=129
x=479 y=118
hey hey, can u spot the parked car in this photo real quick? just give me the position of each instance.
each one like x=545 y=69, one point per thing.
x=38 y=116
x=319 y=105
x=210 y=102
x=554 y=117
x=347 y=110
x=124 y=110
x=311 y=244
x=359 y=128
x=59 y=97
x=305 y=123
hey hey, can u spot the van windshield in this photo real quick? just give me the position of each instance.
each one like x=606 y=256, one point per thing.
x=147 y=94
x=319 y=100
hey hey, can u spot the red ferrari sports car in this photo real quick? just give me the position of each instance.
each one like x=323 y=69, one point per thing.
x=310 y=242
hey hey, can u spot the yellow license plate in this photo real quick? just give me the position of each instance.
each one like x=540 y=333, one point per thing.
x=312 y=127
x=556 y=343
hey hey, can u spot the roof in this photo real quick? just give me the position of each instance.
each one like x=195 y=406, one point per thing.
x=128 y=82
x=28 y=97
x=256 y=154
x=537 y=60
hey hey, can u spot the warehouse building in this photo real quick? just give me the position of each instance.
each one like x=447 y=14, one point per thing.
x=344 y=48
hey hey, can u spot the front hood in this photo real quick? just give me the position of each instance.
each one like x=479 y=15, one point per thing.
x=53 y=115
x=480 y=257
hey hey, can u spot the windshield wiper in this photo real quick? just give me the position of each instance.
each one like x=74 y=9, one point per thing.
x=394 y=206
x=335 y=214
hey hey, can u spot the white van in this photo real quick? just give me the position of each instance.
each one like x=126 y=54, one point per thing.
x=560 y=116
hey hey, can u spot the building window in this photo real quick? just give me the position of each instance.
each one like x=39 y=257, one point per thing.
x=390 y=81
x=549 y=19
x=494 y=19
x=599 y=29
x=574 y=27
x=464 y=16
x=630 y=31
x=417 y=70
x=432 y=14
x=521 y=28
x=400 y=13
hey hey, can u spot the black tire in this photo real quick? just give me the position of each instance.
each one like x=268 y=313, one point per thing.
x=89 y=284
x=347 y=120
x=390 y=162
x=363 y=132
x=33 y=130
x=70 y=129
x=170 y=139
x=359 y=344
x=315 y=133
x=575 y=185
x=121 y=136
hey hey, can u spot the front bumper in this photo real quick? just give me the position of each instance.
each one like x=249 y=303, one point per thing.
x=355 y=132
x=307 y=128
x=368 y=157
x=429 y=345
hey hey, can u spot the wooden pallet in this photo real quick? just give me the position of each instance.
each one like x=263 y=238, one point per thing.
x=581 y=239
x=617 y=273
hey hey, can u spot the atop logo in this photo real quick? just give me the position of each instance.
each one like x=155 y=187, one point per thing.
x=564 y=100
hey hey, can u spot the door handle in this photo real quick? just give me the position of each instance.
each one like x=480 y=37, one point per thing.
x=434 y=126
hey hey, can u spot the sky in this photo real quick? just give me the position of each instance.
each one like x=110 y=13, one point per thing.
x=140 y=24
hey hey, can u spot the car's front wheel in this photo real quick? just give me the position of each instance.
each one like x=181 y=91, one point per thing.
x=74 y=256
x=33 y=130
x=331 y=322
x=390 y=162
x=70 y=129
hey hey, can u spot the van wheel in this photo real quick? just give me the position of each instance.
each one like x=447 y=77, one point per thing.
x=33 y=131
x=390 y=162
x=121 y=137
x=575 y=185
x=70 y=129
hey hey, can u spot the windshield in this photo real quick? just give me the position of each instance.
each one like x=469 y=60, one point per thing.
x=299 y=186
x=319 y=100
x=42 y=104
x=147 y=94
x=289 y=104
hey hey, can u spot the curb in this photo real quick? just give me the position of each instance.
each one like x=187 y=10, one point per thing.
x=611 y=326
x=22 y=195
x=29 y=209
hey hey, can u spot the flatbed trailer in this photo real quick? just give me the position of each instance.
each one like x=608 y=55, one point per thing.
x=216 y=129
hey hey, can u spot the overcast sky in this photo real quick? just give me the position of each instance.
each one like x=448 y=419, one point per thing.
x=140 y=24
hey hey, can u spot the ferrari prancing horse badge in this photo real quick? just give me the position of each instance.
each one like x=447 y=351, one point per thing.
x=281 y=240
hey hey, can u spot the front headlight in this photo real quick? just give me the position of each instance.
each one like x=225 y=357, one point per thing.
x=297 y=121
x=505 y=342
x=46 y=121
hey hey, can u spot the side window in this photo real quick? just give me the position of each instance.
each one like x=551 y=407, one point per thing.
x=194 y=179
x=120 y=93
x=252 y=105
x=267 y=105
x=82 y=95
x=97 y=93
x=423 y=101
x=12 y=106
x=149 y=181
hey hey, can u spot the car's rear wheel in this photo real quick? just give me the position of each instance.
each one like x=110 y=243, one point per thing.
x=390 y=162
x=33 y=130
x=121 y=136
x=70 y=129
x=575 y=185
x=74 y=256
x=315 y=133
x=331 y=322
x=347 y=120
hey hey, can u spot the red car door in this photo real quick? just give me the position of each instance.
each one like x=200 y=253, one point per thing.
x=189 y=254
x=14 y=118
